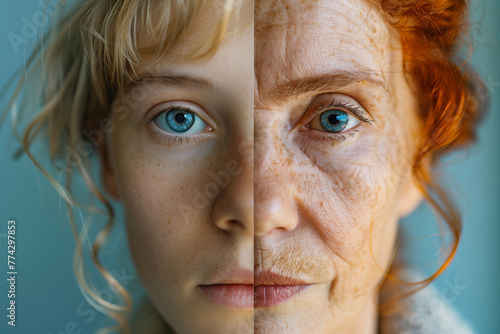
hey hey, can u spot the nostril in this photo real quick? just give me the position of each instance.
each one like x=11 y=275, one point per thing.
x=234 y=224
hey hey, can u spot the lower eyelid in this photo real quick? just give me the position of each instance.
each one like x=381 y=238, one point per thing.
x=341 y=137
x=337 y=137
x=171 y=139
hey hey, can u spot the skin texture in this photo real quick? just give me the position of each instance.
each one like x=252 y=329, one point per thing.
x=327 y=205
x=183 y=227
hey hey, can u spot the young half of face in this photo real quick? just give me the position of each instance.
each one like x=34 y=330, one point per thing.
x=335 y=131
x=180 y=160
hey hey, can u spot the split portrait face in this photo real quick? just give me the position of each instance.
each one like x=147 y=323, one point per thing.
x=262 y=186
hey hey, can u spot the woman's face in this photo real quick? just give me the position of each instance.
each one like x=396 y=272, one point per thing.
x=335 y=132
x=181 y=162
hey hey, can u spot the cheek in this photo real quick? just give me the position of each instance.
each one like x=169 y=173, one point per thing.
x=167 y=198
x=349 y=198
x=348 y=190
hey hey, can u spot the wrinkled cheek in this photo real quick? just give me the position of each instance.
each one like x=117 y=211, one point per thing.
x=351 y=207
x=343 y=195
x=356 y=223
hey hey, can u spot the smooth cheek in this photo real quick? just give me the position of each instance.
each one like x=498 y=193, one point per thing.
x=166 y=228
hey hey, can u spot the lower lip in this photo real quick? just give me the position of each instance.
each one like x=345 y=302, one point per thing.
x=270 y=295
x=238 y=296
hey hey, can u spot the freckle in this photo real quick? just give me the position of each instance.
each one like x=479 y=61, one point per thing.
x=169 y=231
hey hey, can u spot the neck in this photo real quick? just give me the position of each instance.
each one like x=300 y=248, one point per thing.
x=367 y=322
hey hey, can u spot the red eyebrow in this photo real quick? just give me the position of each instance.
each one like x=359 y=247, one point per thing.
x=322 y=83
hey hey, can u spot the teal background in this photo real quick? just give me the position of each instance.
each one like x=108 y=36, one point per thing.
x=49 y=301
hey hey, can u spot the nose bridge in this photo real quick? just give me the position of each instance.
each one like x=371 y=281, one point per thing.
x=268 y=153
x=234 y=207
x=268 y=142
x=274 y=205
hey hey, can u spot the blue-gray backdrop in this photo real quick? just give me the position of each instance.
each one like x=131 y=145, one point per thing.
x=48 y=299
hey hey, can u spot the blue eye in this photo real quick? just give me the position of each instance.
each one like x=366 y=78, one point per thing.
x=334 y=120
x=179 y=121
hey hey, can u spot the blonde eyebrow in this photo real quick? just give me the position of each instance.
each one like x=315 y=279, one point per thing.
x=323 y=83
x=170 y=81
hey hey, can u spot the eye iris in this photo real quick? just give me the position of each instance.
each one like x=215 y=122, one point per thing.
x=180 y=120
x=334 y=120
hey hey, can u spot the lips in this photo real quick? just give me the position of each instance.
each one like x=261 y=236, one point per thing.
x=239 y=288
x=239 y=296
x=231 y=288
x=272 y=289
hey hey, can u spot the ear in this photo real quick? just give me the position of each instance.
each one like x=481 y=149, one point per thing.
x=409 y=197
x=107 y=173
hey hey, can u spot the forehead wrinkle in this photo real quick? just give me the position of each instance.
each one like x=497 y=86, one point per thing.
x=300 y=57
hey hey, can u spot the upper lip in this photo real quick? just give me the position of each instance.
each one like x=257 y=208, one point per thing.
x=233 y=275
x=268 y=277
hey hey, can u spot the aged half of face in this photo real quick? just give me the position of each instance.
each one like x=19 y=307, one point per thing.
x=335 y=128
x=181 y=162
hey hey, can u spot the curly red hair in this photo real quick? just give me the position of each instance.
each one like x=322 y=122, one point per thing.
x=432 y=32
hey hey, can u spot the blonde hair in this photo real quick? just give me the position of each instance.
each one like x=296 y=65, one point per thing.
x=81 y=61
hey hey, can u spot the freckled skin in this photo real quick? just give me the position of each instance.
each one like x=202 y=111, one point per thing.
x=326 y=211
x=176 y=242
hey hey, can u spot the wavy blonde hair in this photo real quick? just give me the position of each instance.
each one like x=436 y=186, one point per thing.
x=81 y=60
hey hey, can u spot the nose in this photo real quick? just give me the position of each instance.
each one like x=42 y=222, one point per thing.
x=234 y=207
x=275 y=209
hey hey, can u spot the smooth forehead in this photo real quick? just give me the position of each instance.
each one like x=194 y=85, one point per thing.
x=296 y=39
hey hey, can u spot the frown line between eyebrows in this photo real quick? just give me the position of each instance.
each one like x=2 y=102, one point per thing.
x=330 y=81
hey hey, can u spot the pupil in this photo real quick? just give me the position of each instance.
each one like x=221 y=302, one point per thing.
x=333 y=119
x=180 y=118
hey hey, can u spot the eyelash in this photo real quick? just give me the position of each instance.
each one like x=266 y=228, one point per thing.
x=356 y=111
x=172 y=140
